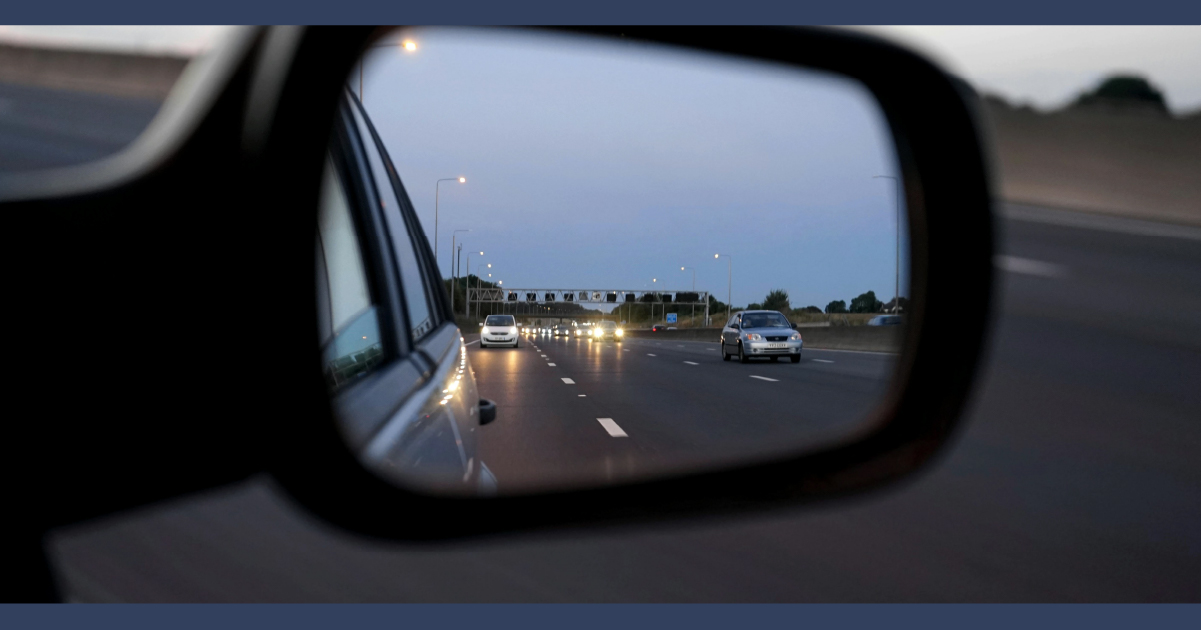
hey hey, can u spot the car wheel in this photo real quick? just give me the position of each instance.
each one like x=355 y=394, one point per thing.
x=796 y=358
x=483 y=345
x=742 y=358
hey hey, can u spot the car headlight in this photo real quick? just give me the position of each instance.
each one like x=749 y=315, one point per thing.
x=796 y=336
x=753 y=337
x=620 y=331
x=513 y=330
x=485 y=331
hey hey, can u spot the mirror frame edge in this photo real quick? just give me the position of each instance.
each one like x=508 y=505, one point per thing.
x=951 y=246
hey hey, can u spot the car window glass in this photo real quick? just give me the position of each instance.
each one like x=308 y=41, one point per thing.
x=349 y=326
x=765 y=320
x=499 y=320
x=417 y=300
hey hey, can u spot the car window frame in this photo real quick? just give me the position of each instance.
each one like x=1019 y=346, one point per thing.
x=435 y=294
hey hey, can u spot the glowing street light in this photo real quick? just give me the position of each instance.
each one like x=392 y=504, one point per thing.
x=730 y=283
x=461 y=180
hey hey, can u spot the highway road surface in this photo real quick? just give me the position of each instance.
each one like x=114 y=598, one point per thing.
x=1077 y=477
x=579 y=411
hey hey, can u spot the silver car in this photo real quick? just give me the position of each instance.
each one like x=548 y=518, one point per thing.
x=751 y=334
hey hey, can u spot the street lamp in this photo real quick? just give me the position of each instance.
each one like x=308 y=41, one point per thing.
x=467 y=308
x=896 y=299
x=729 y=283
x=461 y=180
x=453 y=272
x=693 y=290
x=407 y=45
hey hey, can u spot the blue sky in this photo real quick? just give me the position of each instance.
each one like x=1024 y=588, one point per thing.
x=598 y=165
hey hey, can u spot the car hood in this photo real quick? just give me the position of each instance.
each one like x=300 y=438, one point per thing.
x=768 y=331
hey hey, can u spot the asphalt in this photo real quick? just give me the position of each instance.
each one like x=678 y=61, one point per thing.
x=666 y=407
x=1077 y=477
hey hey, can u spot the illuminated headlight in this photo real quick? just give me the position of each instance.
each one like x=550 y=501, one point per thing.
x=597 y=332
x=620 y=332
x=513 y=330
x=485 y=331
x=753 y=337
x=796 y=336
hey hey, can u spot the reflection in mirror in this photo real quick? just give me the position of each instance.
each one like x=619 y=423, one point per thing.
x=658 y=261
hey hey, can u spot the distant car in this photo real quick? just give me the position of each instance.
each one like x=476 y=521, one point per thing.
x=607 y=330
x=751 y=334
x=886 y=320
x=658 y=328
x=560 y=330
x=499 y=330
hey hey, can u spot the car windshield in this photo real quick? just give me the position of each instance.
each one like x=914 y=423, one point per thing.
x=499 y=320
x=608 y=325
x=764 y=320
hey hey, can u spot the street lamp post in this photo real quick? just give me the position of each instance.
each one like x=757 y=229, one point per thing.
x=461 y=180
x=467 y=308
x=693 y=290
x=453 y=273
x=729 y=285
x=896 y=297
x=408 y=45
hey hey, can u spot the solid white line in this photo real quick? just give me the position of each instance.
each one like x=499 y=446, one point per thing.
x=691 y=363
x=568 y=381
x=822 y=361
x=651 y=355
x=611 y=427
x=551 y=364
x=1030 y=267
x=764 y=378
x=471 y=342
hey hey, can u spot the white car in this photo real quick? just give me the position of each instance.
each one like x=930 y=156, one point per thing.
x=499 y=330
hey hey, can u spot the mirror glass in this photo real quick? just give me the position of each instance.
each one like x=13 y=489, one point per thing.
x=652 y=260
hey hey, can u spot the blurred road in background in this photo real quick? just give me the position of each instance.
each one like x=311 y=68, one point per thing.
x=1076 y=478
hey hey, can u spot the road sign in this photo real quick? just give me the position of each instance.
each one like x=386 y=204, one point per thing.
x=671 y=318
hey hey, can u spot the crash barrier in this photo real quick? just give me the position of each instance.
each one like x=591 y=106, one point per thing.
x=861 y=338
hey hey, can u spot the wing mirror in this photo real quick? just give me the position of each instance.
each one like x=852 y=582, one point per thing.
x=394 y=413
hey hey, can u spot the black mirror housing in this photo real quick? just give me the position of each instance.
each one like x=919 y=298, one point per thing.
x=260 y=121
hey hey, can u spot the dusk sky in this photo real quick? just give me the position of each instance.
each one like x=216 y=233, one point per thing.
x=596 y=165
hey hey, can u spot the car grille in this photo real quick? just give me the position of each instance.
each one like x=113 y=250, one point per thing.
x=784 y=338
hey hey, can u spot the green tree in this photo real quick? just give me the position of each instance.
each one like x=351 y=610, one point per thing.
x=866 y=303
x=777 y=300
x=754 y=306
x=1124 y=92
x=837 y=306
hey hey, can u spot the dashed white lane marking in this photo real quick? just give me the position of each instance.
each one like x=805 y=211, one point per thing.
x=624 y=350
x=568 y=381
x=471 y=342
x=1030 y=267
x=651 y=355
x=551 y=364
x=611 y=427
x=691 y=363
x=711 y=349
x=764 y=378
x=544 y=355
x=822 y=361
x=582 y=395
x=679 y=346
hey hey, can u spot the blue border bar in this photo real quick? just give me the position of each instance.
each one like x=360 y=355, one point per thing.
x=601 y=616
x=602 y=12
